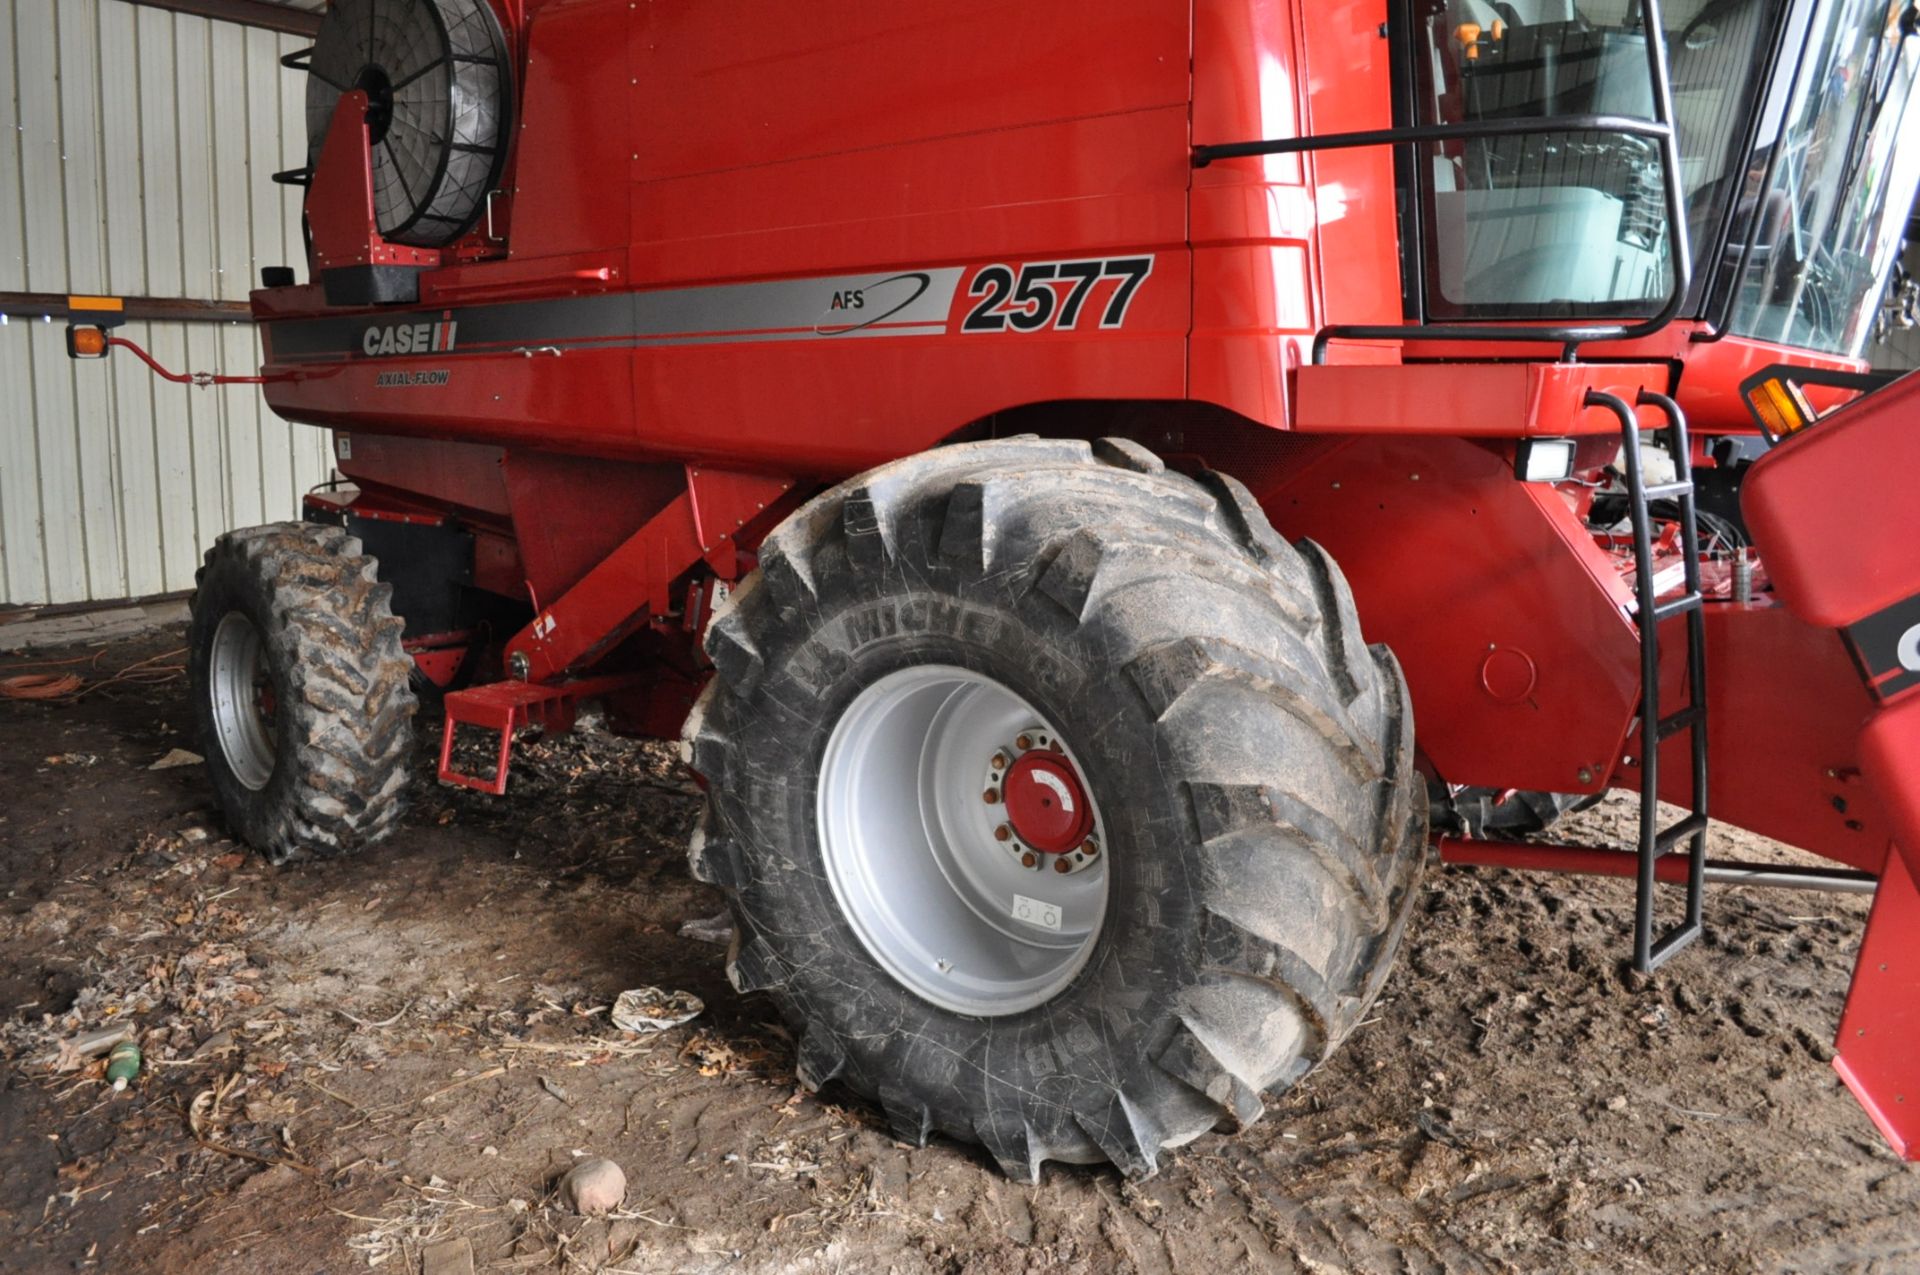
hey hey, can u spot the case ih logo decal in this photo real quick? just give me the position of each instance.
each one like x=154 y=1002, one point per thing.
x=1052 y=294
x=408 y=338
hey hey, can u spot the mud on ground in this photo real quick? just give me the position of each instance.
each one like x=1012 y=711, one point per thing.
x=350 y=1062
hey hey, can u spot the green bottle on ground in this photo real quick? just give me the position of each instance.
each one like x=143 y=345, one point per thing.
x=123 y=1064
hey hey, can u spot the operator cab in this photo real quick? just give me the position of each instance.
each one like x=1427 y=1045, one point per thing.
x=1786 y=117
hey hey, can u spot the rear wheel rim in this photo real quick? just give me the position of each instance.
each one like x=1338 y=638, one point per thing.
x=928 y=870
x=244 y=705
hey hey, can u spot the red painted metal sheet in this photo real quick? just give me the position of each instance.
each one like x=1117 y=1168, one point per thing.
x=1875 y=1052
x=1344 y=66
x=896 y=74
x=1785 y=708
x=440 y=665
x=1506 y=616
x=464 y=477
x=1485 y=400
x=568 y=198
x=380 y=504
x=1706 y=370
x=1833 y=509
x=634 y=581
x=1512 y=627
x=1709 y=386
x=900 y=156
x=1890 y=757
x=570 y=512
x=340 y=200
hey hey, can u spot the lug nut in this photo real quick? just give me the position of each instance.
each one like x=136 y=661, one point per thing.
x=1061 y=865
x=990 y=796
x=1023 y=743
x=1002 y=833
x=999 y=761
x=1090 y=848
x=1027 y=860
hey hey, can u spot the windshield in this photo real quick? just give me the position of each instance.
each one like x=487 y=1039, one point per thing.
x=1575 y=223
x=1818 y=246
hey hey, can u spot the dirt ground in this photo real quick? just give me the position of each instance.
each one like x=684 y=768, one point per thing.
x=352 y=1062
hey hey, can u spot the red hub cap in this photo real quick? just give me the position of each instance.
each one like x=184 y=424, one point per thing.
x=1046 y=803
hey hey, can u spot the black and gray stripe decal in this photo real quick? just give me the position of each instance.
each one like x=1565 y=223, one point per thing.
x=901 y=303
x=1887 y=645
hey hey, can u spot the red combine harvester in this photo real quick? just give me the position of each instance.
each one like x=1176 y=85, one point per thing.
x=1060 y=801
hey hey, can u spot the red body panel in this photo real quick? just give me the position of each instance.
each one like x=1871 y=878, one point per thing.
x=342 y=209
x=1875 y=1050
x=1491 y=400
x=742 y=251
x=1511 y=625
x=1706 y=369
x=682 y=148
x=1785 y=708
x=1822 y=490
x=882 y=149
x=1508 y=619
x=763 y=247
x=1832 y=508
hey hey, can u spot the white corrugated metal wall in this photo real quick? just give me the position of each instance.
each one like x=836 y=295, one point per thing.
x=136 y=148
x=135 y=151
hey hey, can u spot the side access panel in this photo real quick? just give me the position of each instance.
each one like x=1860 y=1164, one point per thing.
x=1507 y=618
x=1831 y=510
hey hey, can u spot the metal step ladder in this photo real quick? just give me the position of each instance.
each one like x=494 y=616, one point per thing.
x=1690 y=832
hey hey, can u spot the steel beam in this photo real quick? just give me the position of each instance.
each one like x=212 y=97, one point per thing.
x=1526 y=856
x=34 y=305
x=635 y=581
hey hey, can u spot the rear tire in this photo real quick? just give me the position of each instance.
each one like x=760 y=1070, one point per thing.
x=300 y=690
x=1250 y=758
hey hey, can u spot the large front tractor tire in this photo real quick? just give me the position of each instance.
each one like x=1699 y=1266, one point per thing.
x=1059 y=803
x=300 y=690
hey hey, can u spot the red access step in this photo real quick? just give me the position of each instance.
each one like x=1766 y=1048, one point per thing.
x=505 y=706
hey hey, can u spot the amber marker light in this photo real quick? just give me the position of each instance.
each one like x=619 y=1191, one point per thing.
x=86 y=342
x=1780 y=406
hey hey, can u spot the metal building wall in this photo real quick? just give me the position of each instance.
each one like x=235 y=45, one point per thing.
x=1900 y=350
x=136 y=148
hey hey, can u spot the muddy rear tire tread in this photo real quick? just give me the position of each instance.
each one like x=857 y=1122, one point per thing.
x=331 y=634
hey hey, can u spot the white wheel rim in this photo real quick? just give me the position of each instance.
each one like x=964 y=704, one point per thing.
x=937 y=899
x=236 y=670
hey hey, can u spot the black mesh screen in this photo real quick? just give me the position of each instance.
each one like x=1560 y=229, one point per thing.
x=435 y=74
